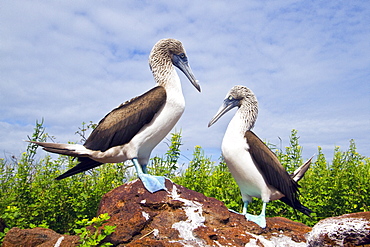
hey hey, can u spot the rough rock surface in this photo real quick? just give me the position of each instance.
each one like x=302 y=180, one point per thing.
x=346 y=230
x=39 y=237
x=181 y=217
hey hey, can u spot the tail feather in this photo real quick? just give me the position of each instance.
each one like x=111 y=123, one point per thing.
x=74 y=150
x=84 y=165
x=297 y=205
x=299 y=173
x=296 y=176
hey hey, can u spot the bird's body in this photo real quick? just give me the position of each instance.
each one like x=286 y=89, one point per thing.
x=250 y=179
x=143 y=142
x=255 y=168
x=156 y=130
x=132 y=130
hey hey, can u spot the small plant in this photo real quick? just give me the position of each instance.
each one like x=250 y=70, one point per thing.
x=95 y=238
x=82 y=131
x=199 y=170
x=167 y=166
x=13 y=217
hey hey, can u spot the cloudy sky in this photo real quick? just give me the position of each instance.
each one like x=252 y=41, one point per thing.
x=308 y=62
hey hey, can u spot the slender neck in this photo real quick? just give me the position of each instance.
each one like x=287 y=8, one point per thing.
x=245 y=118
x=164 y=74
x=161 y=67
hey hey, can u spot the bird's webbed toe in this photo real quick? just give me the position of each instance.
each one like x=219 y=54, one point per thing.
x=153 y=183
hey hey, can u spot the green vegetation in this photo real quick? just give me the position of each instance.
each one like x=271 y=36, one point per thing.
x=30 y=196
x=88 y=238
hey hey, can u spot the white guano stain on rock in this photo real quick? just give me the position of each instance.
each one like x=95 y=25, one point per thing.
x=279 y=241
x=57 y=244
x=146 y=215
x=194 y=212
x=337 y=229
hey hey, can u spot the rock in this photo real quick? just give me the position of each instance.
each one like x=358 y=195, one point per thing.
x=179 y=217
x=39 y=237
x=346 y=230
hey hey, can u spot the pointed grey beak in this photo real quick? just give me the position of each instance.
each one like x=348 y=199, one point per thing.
x=183 y=65
x=229 y=103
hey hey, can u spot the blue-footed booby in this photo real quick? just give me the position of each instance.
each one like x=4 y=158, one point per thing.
x=255 y=168
x=133 y=129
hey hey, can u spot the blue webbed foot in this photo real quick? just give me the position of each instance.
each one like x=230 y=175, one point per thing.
x=235 y=212
x=153 y=183
x=258 y=219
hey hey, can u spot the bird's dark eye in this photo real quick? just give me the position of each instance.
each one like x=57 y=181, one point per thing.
x=182 y=55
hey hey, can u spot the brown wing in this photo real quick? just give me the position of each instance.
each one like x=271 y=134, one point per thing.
x=120 y=125
x=269 y=164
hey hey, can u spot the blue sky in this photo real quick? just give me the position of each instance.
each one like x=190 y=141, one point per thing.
x=308 y=62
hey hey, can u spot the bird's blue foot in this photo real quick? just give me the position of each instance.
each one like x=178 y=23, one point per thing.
x=258 y=219
x=153 y=183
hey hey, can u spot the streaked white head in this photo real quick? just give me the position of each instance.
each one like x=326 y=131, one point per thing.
x=243 y=98
x=165 y=54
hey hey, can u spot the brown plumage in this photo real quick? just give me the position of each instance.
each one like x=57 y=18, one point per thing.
x=109 y=131
x=274 y=173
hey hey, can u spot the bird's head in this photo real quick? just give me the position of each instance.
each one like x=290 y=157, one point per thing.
x=241 y=97
x=171 y=51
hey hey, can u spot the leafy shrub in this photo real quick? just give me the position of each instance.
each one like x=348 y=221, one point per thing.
x=167 y=165
x=95 y=238
x=29 y=187
x=30 y=197
x=327 y=189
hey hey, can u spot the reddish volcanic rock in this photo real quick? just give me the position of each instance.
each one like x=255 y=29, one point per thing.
x=39 y=237
x=182 y=216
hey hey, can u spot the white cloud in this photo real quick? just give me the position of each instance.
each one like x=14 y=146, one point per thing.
x=307 y=62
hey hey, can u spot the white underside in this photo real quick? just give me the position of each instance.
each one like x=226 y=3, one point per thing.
x=241 y=165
